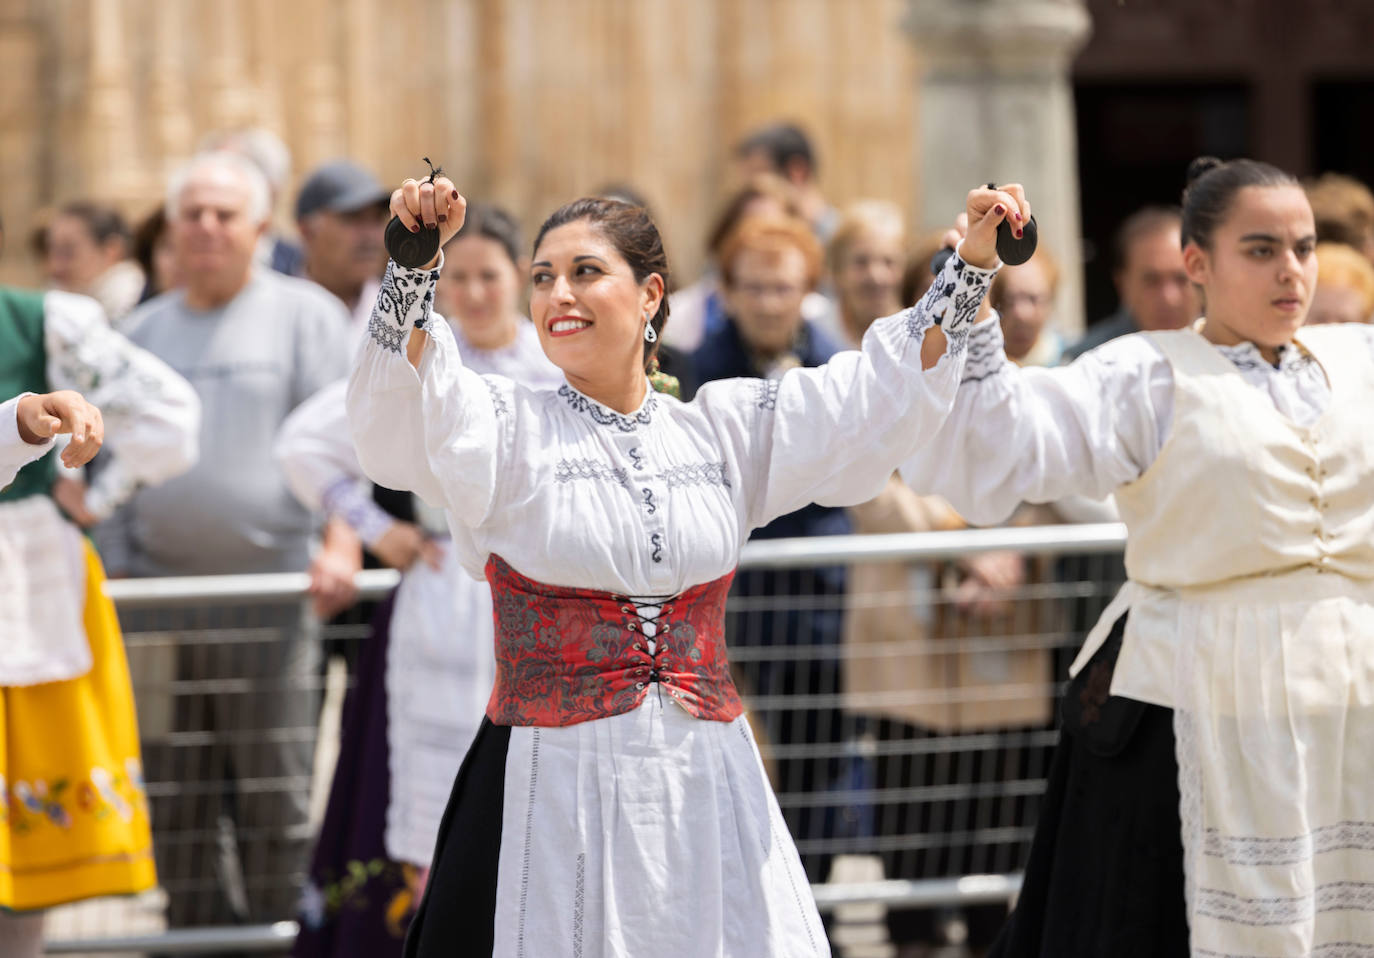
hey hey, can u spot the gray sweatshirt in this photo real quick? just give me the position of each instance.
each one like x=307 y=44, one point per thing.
x=251 y=361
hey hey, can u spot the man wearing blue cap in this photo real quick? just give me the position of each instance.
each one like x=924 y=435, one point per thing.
x=341 y=212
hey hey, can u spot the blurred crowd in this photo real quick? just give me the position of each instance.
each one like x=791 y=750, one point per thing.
x=257 y=321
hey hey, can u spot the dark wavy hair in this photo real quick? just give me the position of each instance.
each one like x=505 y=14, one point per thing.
x=635 y=237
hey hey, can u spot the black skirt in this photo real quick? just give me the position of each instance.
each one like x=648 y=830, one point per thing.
x=1105 y=877
x=466 y=856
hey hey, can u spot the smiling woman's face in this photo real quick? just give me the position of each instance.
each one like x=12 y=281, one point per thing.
x=1260 y=272
x=588 y=307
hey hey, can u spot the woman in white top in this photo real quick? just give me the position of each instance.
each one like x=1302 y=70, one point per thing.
x=425 y=672
x=613 y=803
x=1227 y=695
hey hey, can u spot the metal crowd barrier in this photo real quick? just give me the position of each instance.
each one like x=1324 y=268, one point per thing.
x=906 y=722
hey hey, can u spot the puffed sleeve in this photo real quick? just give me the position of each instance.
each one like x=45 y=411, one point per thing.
x=1038 y=435
x=834 y=434
x=152 y=415
x=437 y=430
x=15 y=453
x=322 y=468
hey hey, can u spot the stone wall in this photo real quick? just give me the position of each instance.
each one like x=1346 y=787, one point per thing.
x=527 y=102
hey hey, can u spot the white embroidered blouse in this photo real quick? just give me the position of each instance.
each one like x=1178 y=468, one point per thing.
x=1039 y=435
x=650 y=502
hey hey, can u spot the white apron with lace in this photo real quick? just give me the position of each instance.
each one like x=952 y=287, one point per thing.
x=1268 y=661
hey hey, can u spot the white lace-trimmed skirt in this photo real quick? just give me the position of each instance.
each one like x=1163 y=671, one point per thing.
x=1274 y=721
x=646 y=833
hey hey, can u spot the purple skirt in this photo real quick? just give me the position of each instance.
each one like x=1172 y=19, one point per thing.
x=357 y=901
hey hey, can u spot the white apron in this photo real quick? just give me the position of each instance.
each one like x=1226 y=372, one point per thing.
x=1256 y=539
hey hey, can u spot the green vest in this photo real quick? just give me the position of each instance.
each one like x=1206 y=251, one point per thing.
x=24 y=368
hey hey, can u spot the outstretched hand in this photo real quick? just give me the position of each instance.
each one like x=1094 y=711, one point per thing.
x=984 y=211
x=436 y=204
x=42 y=416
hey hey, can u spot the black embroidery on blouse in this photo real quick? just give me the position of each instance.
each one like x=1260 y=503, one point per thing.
x=498 y=402
x=955 y=295
x=978 y=379
x=398 y=298
x=1246 y=356
x=606 y=417
x=383 y=334
x=766 y=393
x=917 y=322
x=657 y=541
x=984 y=347
x=571 y=470
x=958 y=340
x=638 y=458
x=966 y=303
x=696 y=474
x=674 y=477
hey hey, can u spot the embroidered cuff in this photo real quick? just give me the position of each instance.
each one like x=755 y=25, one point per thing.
x=405 y=301
x=347 y=499
x=986 y=355
x=957 y=293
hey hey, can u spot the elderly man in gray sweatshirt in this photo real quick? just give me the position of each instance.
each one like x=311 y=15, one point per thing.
x=254 y=344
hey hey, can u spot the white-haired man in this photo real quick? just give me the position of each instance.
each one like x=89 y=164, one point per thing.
x=254 y=344
x=270 y=155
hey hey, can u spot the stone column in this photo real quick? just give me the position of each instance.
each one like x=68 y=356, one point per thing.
x=111 y=135
x=27 y=167
x=318 y=130
x=172 y=131
x=995 y=104
x=231 y=100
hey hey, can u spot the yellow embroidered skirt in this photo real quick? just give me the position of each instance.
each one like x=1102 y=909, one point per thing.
x=73 y=812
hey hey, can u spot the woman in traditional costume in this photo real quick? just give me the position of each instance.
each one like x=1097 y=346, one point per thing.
x=73 y=812
x=1213 y=790
x=614 y=802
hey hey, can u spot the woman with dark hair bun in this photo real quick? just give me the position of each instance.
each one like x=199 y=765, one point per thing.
x=614 y=803
x=1213 y=789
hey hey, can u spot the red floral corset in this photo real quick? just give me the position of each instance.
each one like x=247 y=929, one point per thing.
x=565 y=656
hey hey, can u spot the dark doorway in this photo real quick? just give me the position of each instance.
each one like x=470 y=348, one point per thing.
x=1343 y=127
x=1135 y=141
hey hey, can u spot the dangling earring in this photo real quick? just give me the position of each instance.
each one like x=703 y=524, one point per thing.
x=649 y=335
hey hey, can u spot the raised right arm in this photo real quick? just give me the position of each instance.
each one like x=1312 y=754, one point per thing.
x=430 y=428
x=1037 y=435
